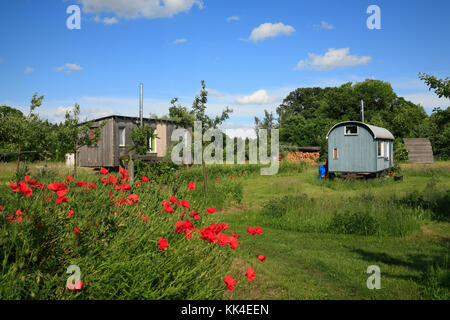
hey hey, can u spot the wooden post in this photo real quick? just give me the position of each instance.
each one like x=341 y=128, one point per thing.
x=131 y=168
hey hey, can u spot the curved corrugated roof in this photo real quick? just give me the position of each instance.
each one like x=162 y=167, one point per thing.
x=378 y=132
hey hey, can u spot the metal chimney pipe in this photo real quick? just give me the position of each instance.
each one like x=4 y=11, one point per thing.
x=362 y=111
x=141 y=111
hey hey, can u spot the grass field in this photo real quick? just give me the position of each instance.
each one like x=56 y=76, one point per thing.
x=319 y=237
x=307 y=261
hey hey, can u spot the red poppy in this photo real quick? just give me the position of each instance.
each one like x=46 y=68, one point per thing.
x=133 y=198
x=77 y=287
x=112 y=179
x=14 y=187
x=126 y=187
x=19 y=219
x=250 y=274
x=230 y=282
x=24 y=189
x=68 y=178
x=90 y=185
x=144 y=178
x=0 y=208
x=104 y=171
x=235 y=234
x=117 y=186
x=39 y=225
x=56 y=186
x=251 y=231
x=76 y=230
x=210 y=210
x=258 y=230
x=11 y=217
x=261 y=257
x=191 y=185
x=81 y=184
x=70 y=213
x=162 y=243
x=138 y=183
x=233 y=243
x=173 y=199
x=184 y=226
x=185 y=204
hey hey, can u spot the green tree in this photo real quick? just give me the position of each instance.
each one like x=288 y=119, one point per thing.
x=199 y=112
x=73 y=134
x=18 y=131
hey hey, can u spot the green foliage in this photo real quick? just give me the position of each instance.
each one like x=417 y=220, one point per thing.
x=360 y=223
x=141 y=139
x=441 y=86
x=400 y=150
x=436 y=282
x=181 y=115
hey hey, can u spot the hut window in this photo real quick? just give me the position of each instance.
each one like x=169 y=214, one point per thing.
x=380 y=149
x=351 y=130
x=121 y=137
x=152 y=144
x=335 y=153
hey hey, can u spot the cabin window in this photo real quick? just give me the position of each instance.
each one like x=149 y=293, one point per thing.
x=121 y=137
x=335 y=153
x=380 y=149
x=152 y=144
x=387 y=151
x=351 y=130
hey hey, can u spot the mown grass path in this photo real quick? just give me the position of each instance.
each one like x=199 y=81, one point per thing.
x=312 y=265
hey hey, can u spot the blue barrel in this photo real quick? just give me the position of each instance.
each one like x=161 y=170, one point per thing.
x=322 y=171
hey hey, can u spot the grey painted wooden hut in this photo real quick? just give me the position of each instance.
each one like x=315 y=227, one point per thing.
x=357 y=147
x=116 y=140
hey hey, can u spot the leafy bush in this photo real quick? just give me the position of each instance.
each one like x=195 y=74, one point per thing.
x=359 y=222
x=400 y=150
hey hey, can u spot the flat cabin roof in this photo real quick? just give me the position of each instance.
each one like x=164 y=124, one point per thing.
x=129 y=118
x=378 y=132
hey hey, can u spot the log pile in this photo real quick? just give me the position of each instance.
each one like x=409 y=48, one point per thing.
x=308 y=157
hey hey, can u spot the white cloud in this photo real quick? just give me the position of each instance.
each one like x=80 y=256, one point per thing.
x=29 y=70
x=61 y=110
x=214 y=92
x=325 y=25
x=178 y=41
x=133 y=9
x=258 y=97
x=427 y=100
x=270 y=30
x=68 y=67
x=232 y=18
x=333 y=58
x=106 y=21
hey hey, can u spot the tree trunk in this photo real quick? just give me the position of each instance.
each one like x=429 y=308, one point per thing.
x=18 y=160
x=75 y=164
x=205 y=180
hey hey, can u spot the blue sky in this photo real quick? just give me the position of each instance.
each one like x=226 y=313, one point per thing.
x=250 y=53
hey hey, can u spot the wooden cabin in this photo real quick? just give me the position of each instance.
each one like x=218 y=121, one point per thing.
x=357 y=147
x=116 y=139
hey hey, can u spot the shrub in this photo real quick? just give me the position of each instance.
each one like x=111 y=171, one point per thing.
x=359 y=222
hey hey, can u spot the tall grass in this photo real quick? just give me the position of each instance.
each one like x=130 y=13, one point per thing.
x=116 y=249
